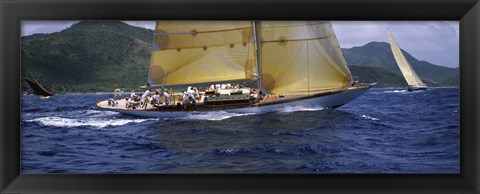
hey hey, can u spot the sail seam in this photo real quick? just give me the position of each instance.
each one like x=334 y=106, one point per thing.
x=294 y=40
x=202 y=32
x=198 y=47
x=284 y=26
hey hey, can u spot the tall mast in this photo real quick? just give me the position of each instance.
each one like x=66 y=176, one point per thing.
x=257 y=39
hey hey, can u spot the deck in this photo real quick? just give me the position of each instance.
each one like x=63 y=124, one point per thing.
x=201 y=106
x=121 y=104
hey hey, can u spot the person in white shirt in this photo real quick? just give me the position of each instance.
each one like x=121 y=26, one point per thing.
x=166 y=97
x=132 y=95
x=155 y=98
x=117 y=94
x=143 y=99
x=191 y=93
x=145 y=95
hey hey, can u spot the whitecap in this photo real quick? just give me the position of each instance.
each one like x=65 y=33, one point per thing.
x=228 y=151
x=370 y=118
x=90 y=122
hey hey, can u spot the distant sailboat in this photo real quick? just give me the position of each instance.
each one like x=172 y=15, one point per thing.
x=275 y=64
x=413 y=81
x=38 y=89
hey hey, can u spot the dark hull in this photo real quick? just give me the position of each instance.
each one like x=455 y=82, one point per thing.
x=37 y=88
x=416 y=87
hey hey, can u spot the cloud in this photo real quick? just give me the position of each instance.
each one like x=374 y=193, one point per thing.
x=35 y=27
x=143 y=24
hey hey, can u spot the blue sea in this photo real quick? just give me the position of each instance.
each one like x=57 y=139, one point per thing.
x=387 y=130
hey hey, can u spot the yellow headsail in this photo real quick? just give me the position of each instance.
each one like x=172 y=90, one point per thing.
x=405 y=67
x=188 y=52
x=301 y=57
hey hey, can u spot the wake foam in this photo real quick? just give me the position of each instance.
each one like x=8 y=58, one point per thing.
x=97 y=113
x=213 y=116
x=74 y=114
x=222 y=115
x=396 y=91
x=290 y=109
x=87 y=122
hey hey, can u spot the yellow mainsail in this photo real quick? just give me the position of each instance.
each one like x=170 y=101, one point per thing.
x=189 y=52
x=301 y=57
x=405 y=67
x=294 y=57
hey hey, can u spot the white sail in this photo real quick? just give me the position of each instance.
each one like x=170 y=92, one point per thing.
x=410 y=76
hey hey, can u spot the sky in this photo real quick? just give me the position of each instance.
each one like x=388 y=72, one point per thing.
x=434 y=41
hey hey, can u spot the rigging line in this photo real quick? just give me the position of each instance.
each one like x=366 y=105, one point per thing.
x=257 y=39
x=293 y=40
x=308 y=69
x=200 y=83
x=202 y=32
x=298 y=25
x=198 y=47
x=150 y=77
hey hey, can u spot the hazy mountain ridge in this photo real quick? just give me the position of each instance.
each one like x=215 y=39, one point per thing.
x=34 y=36
x=92 y=56
x=379 y=54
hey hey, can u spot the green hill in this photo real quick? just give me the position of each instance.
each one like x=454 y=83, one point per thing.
x=379 y=54
x=383 y=77
x=88 y=57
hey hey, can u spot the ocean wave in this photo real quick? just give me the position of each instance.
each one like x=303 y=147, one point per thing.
x=299 y=150
x=90 y=113
x=227 y=151
x=87 y=122
x=312 y=140
x=35 y=109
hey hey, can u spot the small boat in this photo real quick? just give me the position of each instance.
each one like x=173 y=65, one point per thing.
x=413 y=80
x=243 y=67
x=38 y=89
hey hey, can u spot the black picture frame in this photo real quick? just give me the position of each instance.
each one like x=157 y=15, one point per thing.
x=465 y=11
